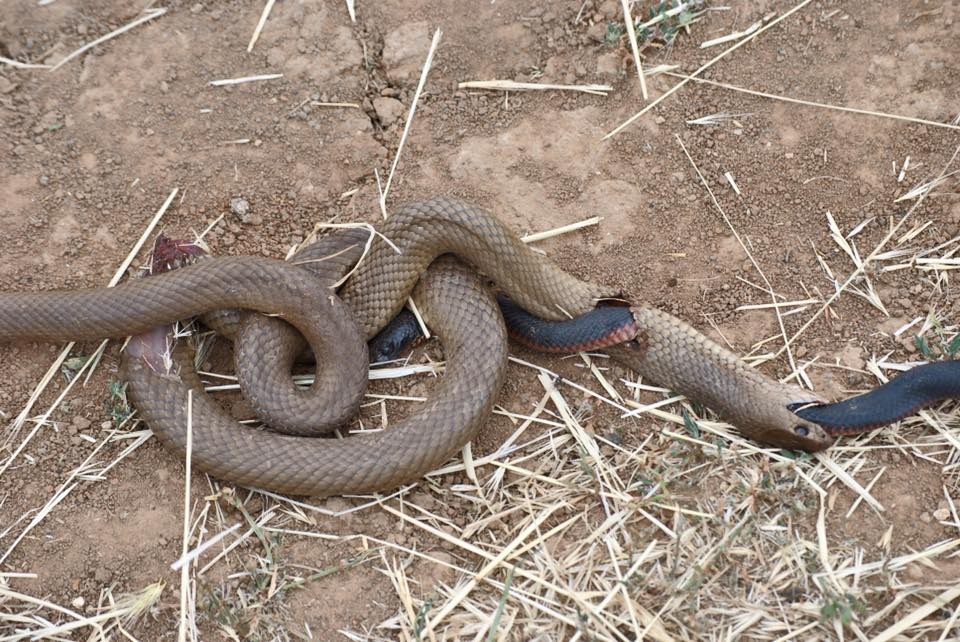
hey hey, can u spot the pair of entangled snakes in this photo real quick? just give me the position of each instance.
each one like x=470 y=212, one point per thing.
x=274 y=309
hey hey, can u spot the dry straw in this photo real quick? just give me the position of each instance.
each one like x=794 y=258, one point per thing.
x=147 y=16
x=809 y=103
x=704 y=67
x=632 y=37
x=512 y=85
x=612 y=511
x=260 y=23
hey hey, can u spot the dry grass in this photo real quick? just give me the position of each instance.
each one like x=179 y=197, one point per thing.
x=244 y=79
x=146 y=16
x=512 y=85
x=809 y=103
x=705 y=66
x=632 y=37
x=267 y=8
x=614 y=510
x=424 y=72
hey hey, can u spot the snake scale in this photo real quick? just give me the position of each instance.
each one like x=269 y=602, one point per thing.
x=456 y=305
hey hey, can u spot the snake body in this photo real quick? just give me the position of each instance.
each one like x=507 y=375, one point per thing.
x=453 y=301
x=466 y=318
x=918 y=388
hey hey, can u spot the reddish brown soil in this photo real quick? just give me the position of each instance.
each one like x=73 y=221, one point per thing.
x=89 y=152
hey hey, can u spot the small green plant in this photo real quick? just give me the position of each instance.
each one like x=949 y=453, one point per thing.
x=663 y=22
x=420 y=624
x=945 y=346
x=73 y=365
x=118 y=408
x=945 y=350
x=693 y=429
x=495 y=624
x=923 y=347
x=953 y=347
x=842 y=606
x=615 y=31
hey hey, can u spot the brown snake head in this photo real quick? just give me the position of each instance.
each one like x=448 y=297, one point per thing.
x=775 y=424
x=677 y=356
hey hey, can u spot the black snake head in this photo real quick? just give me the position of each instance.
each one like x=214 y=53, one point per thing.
x=902 y=396
x=402 y=333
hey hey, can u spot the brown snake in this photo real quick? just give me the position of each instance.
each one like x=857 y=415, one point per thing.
x=456 y=306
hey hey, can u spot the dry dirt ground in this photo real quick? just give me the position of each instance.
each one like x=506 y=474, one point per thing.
x=593 y=525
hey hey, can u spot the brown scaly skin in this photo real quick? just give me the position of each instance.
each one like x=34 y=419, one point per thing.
x=467 y=320
x=667 y=350
x=255 y=283
x=673 y=354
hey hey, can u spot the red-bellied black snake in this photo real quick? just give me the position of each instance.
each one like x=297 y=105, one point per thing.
x=455 y=304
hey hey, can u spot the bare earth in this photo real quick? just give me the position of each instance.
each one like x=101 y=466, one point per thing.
x=614 y=527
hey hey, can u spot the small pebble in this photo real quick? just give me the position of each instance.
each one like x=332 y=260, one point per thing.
x=388 y=110
x=241 y=208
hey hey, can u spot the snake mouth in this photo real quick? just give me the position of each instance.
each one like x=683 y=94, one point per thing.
x=171 y=254
x=820 y=414
x=798 y=407
x=154 y=347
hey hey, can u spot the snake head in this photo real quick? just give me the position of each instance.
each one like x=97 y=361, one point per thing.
x=401 y=333
x=782 y=427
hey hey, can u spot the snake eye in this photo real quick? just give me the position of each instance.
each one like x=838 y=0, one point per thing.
x=803 y=431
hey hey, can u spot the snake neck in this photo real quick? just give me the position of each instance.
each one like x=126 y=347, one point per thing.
x=675 y=355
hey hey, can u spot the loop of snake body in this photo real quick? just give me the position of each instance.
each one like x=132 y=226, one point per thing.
x=455 y=304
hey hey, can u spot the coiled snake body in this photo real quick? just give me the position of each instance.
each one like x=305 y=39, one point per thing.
x=456 y=306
